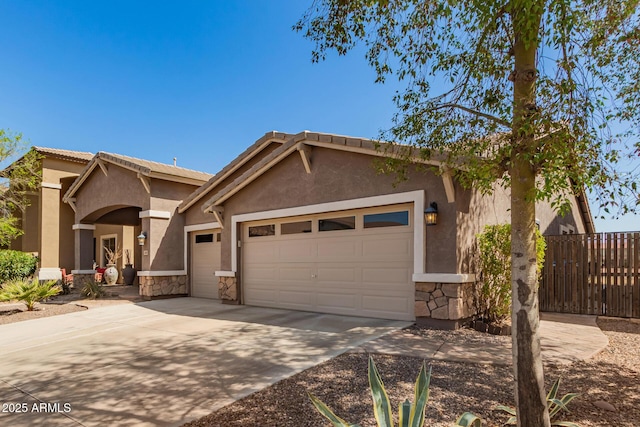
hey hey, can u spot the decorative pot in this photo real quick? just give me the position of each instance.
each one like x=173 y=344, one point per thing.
x=111 y=274
x=128 y=274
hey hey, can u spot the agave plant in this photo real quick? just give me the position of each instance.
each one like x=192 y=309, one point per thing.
x=29 y=291
x=409 y=414
x=554 y=404
x=92 y=290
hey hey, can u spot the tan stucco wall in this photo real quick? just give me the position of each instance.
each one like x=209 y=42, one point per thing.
x=342 y=176
x=195 y=215
x=100 y=194
x=476 y=210
x=54 y=170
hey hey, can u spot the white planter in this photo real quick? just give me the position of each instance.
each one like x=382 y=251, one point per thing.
x=111 y=274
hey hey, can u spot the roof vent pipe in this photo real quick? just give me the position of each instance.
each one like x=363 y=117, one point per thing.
x=175 y=161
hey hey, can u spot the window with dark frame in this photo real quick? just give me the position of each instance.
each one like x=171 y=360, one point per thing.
x=295 y=227
x=204 y=238
x=262 y=230
x=387 y=219
x=335 y=224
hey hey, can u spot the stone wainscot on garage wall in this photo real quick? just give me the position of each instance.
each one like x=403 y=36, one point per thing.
x=444 y=305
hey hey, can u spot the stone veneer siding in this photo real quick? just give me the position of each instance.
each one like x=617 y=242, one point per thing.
x=160 y=286
x=79 y=280
x=228 y=290
x=444 y=301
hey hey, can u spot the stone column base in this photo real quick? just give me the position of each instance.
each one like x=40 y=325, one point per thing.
x=79 y=280
x=228 y=290
x=152 y=287
x=444 y=305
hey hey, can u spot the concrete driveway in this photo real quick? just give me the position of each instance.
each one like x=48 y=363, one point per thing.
x=161 y=362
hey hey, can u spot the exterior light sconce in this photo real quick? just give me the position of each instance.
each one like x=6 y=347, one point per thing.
x=431 y=214
x=142 y=238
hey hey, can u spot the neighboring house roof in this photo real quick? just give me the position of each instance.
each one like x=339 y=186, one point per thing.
x=69 y=155
x=585 y=212
x=244 y=157
x=302 y=142
x=144 y=168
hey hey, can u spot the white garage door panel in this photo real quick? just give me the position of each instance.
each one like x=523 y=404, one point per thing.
x=337 y=274
x=361 y=272
x=336 y=301
x=386 y=304
x=205 y=260
x=386 y=249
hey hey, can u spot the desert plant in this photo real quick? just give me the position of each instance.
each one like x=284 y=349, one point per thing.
x=92 y=290
x=16 y=265
x=554 y=404
x=29 y=291
x=112 y=255
x=494 y=293
x=127 y=257
x=409 y=414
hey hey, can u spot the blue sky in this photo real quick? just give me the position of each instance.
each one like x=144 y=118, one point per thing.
x=197 y=80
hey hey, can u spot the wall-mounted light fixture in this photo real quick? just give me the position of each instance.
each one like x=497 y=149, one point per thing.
x=431 y=214
x=142 y=238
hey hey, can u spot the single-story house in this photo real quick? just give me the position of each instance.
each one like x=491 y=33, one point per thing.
x=299 y=221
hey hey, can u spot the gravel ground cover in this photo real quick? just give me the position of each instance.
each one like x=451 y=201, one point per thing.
x=609 y=387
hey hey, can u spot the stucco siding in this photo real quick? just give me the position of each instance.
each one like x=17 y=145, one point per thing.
x=338 y=175
x=101 y=194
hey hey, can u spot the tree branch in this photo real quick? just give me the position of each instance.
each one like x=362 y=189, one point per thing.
x=477 y=113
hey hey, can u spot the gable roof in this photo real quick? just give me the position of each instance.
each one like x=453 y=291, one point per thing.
x=142 y=167
x=69 y=155
x=299 y=141
x=243 y=158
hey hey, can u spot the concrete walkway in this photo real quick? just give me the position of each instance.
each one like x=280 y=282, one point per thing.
x=161 y=362
x=565 y=338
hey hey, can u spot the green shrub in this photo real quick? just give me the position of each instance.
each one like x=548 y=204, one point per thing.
x=92 y=290
x=28 y=291
x=409 y=414
x=554 y=404
x=494 y=294
x=16 y=265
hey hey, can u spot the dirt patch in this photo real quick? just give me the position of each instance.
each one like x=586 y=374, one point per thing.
x=42 y=310
x=613 y=376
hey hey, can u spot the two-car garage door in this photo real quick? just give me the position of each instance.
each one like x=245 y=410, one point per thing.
x=356 y=263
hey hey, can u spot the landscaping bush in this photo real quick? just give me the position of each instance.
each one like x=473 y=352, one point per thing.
x=28 y=291
x=92 y=290
x=16 y=265
x=494 y=294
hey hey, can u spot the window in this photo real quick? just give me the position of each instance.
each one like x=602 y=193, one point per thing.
x=106 y=242
x=296 y=227
x=204 y=238
x=262 y=230
x=331 y=224
x=387 y=219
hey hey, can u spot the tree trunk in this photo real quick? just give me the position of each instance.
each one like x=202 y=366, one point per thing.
x=527 y=360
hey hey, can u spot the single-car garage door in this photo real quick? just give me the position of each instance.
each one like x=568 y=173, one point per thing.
x=356 y=263
x=205 y=260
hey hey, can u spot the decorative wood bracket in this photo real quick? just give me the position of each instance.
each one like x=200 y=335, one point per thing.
x=305 y=154
x=100 y=163
x=145 y=182
x=217 y=212
x=449 y=188
x=72 y=203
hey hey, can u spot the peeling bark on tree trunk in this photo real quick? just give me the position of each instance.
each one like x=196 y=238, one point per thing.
x=527 y=359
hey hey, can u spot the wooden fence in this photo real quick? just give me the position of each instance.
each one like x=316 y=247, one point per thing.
x=592 y=274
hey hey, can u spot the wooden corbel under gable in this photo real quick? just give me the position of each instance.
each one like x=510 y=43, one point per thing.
x=449 y=188
x=217 y=212
x=145 y=182
x=103 y=167
x=305 y=154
